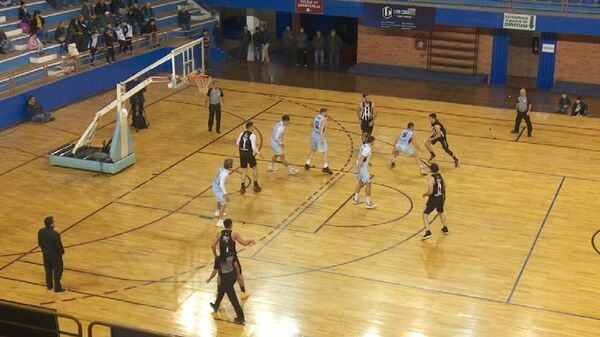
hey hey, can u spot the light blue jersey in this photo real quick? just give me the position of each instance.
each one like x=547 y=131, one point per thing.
x=276 y=138
x=363 y=165
x=316 y=134
x=403 y=144
x=218 y=185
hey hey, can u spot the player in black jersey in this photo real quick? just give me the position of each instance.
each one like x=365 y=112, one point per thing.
x=436 y=191
x=246 y=143
x=226 y=240
x=439 y=135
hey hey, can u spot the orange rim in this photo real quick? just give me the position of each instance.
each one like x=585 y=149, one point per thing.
x=198 y=77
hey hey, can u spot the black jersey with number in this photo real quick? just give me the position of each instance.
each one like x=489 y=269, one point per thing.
x=438 y=186
x=442 y=129
x=227 y=243
x=245 y=143
x=366 y=111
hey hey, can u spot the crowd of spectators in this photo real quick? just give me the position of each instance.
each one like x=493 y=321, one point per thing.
x=578 y=108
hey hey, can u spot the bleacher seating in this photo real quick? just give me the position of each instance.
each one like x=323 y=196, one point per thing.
x=24 y=61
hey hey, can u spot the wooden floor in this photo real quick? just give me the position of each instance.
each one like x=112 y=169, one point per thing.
x=519 y=260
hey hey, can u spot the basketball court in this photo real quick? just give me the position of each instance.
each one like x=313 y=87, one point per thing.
x=521 y=258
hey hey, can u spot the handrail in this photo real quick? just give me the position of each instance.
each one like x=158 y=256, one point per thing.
x=45 y=312
x=90 y=332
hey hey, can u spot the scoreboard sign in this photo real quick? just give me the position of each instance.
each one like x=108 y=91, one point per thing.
x=309 y=6
x=396 y=16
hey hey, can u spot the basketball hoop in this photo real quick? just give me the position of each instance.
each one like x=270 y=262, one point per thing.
x=201 y=80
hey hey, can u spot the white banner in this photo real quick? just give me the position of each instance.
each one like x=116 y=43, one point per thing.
x=519 y=21
x=548 y=48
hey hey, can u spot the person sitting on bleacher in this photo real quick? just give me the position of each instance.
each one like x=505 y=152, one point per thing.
x=564 y=104
x=147 y=13
x=38 y=26
x=152 y=29
x=24 y=16
x=579 y=108
x=86 y=10
x=34 y=43
x=184 y=18
x=36 y=112
x=5 y=44
x=60 y=36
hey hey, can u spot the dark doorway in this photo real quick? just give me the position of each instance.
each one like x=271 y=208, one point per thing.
x=522 y=59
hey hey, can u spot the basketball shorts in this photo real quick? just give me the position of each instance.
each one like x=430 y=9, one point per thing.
x=406 y=149
x=277 y=149
x=218 y=194
x=363 y=174
x=365 y=127
x=247 y=159
x=316 y=145
x=436 y=203
x=443 y=141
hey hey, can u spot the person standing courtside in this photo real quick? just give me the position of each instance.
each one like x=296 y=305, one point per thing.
x=226 y=240
x=206 y=49
x=366 y=116
x=523 y=107
x=214 y=99
x=245 y=40
x=52 y=251
x=436 y=193
x=246 y=143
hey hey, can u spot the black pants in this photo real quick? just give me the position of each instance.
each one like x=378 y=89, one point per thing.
x=54 y=268
x=302 y=55
x=525 y=116
x=110 y=54
x=226 y=287
x=93 y=51
x=214 y=110
x=244 y=52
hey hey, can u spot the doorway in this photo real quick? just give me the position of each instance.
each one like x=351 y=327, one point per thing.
x=522 y=59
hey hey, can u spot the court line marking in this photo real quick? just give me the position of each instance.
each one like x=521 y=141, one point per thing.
x=520 y=134
x=535 y=240
x=334 y=213
x=594 y=241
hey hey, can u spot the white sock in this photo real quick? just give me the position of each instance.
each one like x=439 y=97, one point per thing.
x=356 y=196
x=308 y=162
x=325 y=165
x=368 y=200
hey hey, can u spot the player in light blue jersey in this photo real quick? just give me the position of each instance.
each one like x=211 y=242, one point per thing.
x=362 y=173
x=404 y=144
x=318 y=140
x=219 y=190
x=278 y=146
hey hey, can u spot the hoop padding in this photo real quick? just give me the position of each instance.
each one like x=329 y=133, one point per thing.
x=201 y=80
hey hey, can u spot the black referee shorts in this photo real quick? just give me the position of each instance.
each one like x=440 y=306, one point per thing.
x=247 y=159
x=436 y=203
x=365 y=127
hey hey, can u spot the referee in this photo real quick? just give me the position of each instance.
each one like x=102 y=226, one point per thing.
x=52 y=251
x=214 y=99
x=523 y=107
x=366 y=115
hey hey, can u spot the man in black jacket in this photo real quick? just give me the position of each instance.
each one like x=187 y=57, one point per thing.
x=52 y=250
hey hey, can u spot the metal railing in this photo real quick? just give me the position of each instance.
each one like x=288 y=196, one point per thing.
x=11 y=82
x=57 y=315
x=90 y=329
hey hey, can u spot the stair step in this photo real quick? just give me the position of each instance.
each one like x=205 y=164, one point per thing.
x=470 y=57
x=20 y=47
x=2 y=19
x=453 y=39
x=42 y=59
x=57 y=72
x=450 y=47
x=14 y=32
x=451 y=64
x=453 y=70
x=200 y=17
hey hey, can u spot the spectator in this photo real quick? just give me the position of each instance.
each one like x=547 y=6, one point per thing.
x=206 y=45
x=93 y=47
x=24 y=17
x=100 y=8
x=265 y=36
x=257 y=39
x=123 y=15
x=36 y=112
x=115 y=6
x=86 y=28
x=86 y=10
x=34 y=43
x=109 y=18
x=334 y=46
x=184 y=18
x=60 y=36
x=147 y=13
x=245 y=39
x=120 y=33
x=70 y=63
x=135 y=18
x=129 y=38
x=579 y=108
x=152 y=29
x=5 y=43
x=564 y=104
x=301 y=44
x=109 y=44
x=288 y=44
x=97 y=23
x=218 y=35
x=38 y=26
x=74 y=33
x=319 y=45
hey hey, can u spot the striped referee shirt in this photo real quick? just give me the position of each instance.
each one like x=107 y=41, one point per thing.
x=366 y=111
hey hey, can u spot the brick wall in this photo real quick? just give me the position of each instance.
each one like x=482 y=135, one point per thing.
x=396 y=47
x=578 y=59
x=389 y=46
